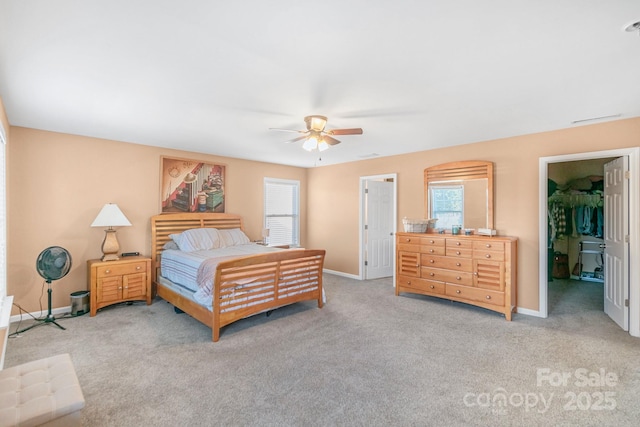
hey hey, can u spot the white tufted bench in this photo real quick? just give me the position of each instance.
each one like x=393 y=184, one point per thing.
x=44 y=392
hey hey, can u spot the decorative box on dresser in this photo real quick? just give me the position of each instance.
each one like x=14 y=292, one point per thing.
x=112 y=282
x=477 y=270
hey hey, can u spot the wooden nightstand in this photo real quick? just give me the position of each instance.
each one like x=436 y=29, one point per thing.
x=112 y=282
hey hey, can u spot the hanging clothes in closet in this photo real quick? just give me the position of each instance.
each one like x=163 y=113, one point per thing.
x=577 y=209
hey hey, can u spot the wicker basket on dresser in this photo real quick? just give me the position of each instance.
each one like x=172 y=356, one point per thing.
x=477 y=270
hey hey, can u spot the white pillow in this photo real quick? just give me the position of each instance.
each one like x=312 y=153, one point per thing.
x=233 y=237
x=197 y=239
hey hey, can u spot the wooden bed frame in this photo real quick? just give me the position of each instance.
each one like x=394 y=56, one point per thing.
x=285 y=277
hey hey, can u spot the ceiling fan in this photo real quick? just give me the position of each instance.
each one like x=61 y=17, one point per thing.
x=316 y=137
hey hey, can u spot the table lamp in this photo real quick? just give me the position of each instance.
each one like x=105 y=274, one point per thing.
x=110 y=216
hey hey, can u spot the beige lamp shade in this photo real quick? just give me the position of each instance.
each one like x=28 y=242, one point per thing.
x=110 y=216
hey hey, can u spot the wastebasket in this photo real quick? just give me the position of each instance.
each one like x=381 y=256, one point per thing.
x=79 y=303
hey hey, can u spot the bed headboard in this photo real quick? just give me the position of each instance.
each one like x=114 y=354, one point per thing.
x=173 y=223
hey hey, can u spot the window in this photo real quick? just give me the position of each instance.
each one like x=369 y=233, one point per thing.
x=3 y=217
x=282 y=211
x=447 y=203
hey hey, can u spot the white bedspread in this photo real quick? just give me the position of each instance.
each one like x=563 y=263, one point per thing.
x=182 y=267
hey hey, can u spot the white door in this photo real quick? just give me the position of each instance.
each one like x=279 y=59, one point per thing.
x=616 y=232
x=379 y=229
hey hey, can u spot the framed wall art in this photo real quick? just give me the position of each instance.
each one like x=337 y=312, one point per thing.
x=191 y=186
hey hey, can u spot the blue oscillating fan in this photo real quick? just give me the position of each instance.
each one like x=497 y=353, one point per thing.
x=52 y=264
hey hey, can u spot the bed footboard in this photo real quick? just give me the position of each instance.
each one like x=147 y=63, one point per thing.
x=249 y=285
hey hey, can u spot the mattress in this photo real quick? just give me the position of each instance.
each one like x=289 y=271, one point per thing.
x=182 y=267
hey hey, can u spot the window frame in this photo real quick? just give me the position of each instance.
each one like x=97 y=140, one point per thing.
x=272 y=238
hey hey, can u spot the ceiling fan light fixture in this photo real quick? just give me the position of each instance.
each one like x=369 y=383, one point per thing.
x=322 y=145
x=310 y=144
x=316 y=123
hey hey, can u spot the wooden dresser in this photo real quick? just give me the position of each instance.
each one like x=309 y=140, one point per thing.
x=476 y=270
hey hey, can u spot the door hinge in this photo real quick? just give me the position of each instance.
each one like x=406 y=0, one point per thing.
x=626 y=238
x=626 y=302
x=366 y=227
x=366 y=263
x=627 y=174
x=366 y=190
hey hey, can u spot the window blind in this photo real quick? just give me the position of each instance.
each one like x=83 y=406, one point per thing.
x=3 y=215
x=282 y=211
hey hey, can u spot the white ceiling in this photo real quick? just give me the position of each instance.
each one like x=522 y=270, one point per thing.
x=214 y=76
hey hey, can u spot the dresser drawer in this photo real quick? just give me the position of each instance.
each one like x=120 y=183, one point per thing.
x=488 y=245
x=407 y=239
x=459 y=277
x=459 y=243
x=447 y=263
x=433 y=250
x=475 y=294
x=432 y=241
x=459 y=252
x=488 y=255
x=121 y=269
x=424 y=285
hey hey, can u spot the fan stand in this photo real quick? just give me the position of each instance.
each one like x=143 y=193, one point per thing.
x=48 y=319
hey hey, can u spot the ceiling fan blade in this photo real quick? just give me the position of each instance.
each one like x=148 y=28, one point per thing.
x=329 y=140
x=289 y=130
x=296 y=139
x=354 y=131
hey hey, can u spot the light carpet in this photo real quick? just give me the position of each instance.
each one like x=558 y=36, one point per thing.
x=368 y=358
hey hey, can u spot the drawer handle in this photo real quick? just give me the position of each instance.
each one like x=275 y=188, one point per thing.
x=138 y=268
x=488 y=245
x=488 y=296
x=407 y=240
x=431 y=261
x=458 y=278
x=107 y=271
x=119 y=287
x=457 y=252
x=457 y=243
x=487 y=256
x=458 y=264
x=432 y=274
x=431 y=241
x=408 y=282
x=431 y=251
x=432 y=287
x=457 y=291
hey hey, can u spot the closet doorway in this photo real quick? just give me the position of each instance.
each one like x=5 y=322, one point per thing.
x=601 y=261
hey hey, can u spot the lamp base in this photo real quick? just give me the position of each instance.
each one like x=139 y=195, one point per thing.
x=110 y=246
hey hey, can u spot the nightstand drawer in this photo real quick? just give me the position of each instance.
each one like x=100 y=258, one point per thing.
x=120 y=269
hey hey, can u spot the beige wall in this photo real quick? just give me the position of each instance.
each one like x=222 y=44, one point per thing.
x=333 y=203
x=58 y=183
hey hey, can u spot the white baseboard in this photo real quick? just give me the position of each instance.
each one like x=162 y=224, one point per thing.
x=340 y=273
x=529 y=312
x=40 y=314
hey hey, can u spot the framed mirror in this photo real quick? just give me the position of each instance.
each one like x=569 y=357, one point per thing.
x=460 y=193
